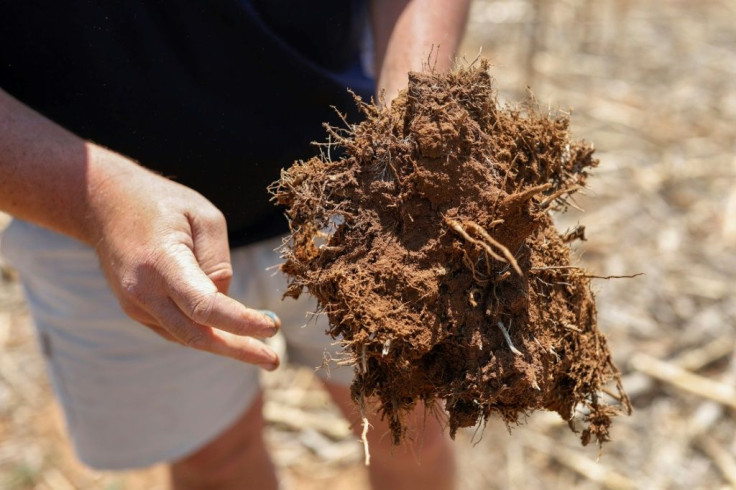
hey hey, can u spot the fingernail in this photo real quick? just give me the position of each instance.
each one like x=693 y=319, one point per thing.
x=272 y=361
x=268 y=366
x=272 y=317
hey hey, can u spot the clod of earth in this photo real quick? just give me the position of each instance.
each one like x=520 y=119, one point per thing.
x=428 y=242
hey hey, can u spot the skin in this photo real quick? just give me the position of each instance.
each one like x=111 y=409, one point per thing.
x=405 y=33
x=427 y=461
x=163 y=248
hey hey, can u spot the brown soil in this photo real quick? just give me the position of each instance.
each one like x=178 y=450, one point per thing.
x=429 y=245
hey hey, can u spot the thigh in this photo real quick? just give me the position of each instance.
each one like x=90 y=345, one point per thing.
x=130 y=398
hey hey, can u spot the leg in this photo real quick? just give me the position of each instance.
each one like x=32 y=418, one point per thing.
x=236 y=459
x=427 y=463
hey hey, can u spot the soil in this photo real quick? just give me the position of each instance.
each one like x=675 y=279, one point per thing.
x=425 y=233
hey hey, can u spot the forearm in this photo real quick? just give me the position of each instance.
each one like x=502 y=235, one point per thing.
x=406 y=31
x=48 y=175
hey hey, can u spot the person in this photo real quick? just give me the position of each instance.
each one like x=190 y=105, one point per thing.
x=137 y=140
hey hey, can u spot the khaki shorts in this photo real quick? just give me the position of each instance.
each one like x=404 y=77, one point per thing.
x=130 y=398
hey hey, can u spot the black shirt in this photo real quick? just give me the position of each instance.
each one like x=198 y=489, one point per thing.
x=218 y=94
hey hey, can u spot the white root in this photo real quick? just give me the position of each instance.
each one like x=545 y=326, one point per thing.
x=366 y=424
x=508 y=339
x=364 y=435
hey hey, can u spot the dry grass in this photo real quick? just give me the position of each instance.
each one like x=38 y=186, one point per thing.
x=653 y=84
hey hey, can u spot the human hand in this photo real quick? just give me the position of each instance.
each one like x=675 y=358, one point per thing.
x=164 y=250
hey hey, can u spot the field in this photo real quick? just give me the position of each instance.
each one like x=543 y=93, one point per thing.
x=653 y=86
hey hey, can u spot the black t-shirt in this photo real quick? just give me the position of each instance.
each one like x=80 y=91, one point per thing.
x=218 y=94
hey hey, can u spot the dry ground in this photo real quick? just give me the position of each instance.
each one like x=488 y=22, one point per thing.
x=653 y=84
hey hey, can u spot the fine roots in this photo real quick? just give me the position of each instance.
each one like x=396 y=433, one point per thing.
x=425 y=234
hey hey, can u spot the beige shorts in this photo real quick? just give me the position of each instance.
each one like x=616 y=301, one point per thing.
x=130 y=398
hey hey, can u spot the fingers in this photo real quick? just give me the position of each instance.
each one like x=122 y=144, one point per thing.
x=191 y=334
x=199 y=299
x=246 y=349
x=179 y=302
x=210 y=257
x=224 y=313
x=196 y=314
x=185 y=332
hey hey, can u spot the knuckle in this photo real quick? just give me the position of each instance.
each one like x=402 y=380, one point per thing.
x=214 y=219
x=201 y=308
x=136 y=280
x=225 y=271
x=221 y=272
x=133 y=289
x=219 y=218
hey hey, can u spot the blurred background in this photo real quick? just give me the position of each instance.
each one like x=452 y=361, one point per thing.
x=653 y=85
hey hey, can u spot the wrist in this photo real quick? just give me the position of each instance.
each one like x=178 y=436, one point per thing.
x=108 y=174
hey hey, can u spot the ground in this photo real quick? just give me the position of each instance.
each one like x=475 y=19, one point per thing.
x=653 y=86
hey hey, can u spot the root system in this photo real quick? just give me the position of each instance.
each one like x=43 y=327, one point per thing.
x=425 y=233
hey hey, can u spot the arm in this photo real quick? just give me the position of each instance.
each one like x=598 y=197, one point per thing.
x=162 y=246
x=404 y=32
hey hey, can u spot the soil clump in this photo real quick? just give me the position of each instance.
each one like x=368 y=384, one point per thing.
x=428 y=242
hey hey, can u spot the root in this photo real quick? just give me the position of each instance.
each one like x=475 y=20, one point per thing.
x=506 y=252
x=550 y=199
x=364 y=435
x=364 y=419
x=506 y=336
x=522 y=197
x=485 y=245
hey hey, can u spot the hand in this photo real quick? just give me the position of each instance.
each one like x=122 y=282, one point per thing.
x=164 y=250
